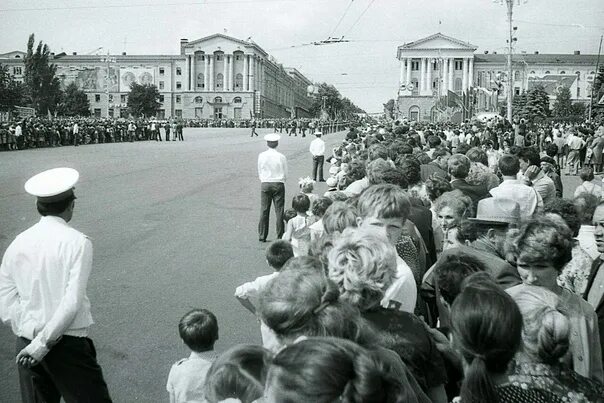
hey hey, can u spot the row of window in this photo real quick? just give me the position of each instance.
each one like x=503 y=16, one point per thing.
x=415 y=65
x=218 y=56
x=162 y=71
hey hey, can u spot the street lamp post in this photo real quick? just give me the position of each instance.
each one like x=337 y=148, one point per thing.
x=107 y=60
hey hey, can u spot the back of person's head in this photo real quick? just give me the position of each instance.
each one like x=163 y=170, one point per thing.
x=395 y=176
x=289 y=213
x=586 y=174
x=459 y=166
x=384 y=201
x=356 y=170
x=486 y=329
x=338 y=217
x=198 y=329
x=457 y=201
x=436 y=185
x=566 y=210
x=326 y=370
x=239 y=373
x=320 y=205
x=530 y=155
x=363 y=265
x=278 y=253
x=586 y=204
x=306 y=303
x=433 y=141
x=301 y=203
x=551 y=150
x=477 y=154
x=440 y=152
x=463 y=148
x=378 y=151
x=411 y=168
x=546 y=330
x=54 y=208
x=451 y=270
x=509 y=165
x=375 y=170
x=303 y=263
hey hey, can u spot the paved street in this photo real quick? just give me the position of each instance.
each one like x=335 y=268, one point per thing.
x=173 y=227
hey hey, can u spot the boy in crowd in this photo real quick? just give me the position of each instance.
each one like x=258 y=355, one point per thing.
x=387 y=207
x=277 y=254
x=198 y=330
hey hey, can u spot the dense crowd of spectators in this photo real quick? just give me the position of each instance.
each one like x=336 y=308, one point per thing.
x=441 y=264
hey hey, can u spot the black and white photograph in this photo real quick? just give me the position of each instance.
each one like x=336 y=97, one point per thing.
x=302 y=201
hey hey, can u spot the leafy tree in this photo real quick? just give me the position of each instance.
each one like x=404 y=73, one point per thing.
x=11 y=91
x=143 y=100
x=43 y=87
x=563 y=104
x=518 y=104
x=389 y=109
x=335 y=105
x=578 y=109
x=74 y=102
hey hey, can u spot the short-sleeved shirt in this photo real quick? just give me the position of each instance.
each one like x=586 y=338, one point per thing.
x=187 y=377
x=412 y=342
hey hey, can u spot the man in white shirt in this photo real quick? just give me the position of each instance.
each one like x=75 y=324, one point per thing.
x=317 y=149
x=76 y=134
x=272 y=171
x=528 y=198
x=43 y=279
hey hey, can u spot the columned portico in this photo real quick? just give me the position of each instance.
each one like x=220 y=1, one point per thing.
x=211 y=61
x=231 y=79
x=246 y=72
x=430 y=63
x=464 y=79
x=403 y=75
x=206 y=73
x=408 y=70
x=252 y=77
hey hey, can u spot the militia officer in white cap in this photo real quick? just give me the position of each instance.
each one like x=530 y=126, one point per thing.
x=43 y=279
x=317 y=150
x=272 y=171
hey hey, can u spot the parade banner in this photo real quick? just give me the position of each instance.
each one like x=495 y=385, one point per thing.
x=139 y=75
x=552 y=82
x=89 y=78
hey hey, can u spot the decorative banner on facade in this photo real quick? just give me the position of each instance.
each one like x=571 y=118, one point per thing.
x=139 y=75
x=552 y=82
x=88 y=78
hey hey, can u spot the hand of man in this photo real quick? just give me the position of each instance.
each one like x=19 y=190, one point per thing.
x=532 y=172
x=26 y=360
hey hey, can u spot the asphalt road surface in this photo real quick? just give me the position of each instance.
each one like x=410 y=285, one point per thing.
x=174 y=227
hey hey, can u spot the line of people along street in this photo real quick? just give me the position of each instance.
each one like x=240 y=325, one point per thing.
x=443 y=263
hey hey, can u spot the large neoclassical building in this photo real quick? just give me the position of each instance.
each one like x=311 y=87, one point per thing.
x=213 y=77
x=433 y=66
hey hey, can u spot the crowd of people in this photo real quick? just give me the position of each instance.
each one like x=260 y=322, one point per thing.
x=443 y=263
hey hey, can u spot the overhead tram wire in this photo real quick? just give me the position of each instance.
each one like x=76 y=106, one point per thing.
x=359 y=18
x=341 y=18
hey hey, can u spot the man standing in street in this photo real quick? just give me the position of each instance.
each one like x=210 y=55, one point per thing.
x=317 y=149
x=43 y=279
x=76 y=134
x=272 y=171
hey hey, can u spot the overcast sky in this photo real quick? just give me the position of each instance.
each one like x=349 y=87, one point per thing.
x=365 y=69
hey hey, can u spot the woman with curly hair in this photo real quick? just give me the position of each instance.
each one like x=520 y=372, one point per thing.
x=540 y=248
x=451 y=208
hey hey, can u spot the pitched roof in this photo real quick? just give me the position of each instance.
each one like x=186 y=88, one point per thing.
x=438 y=35
x=249 y=43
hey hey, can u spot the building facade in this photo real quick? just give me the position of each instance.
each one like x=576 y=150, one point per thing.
x=439 y=67
x=213 y=77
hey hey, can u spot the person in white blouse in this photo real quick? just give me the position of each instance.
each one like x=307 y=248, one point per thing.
x=317 y=149
x=43 y=279
x=272 y=171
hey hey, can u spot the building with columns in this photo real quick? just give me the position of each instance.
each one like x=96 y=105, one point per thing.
x=213 y=77
x=433 y=66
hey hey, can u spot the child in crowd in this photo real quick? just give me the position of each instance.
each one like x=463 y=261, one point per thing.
x=198 y=330
x=332 y=185
x=288 y=214
x=297 y=230
x=318 y=210
x=307 y=186
x=277 y=254
x=238 y=375
x=387 y=207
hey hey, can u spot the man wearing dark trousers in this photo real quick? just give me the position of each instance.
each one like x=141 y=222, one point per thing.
x=43 y=279
x=272 y=171
x=317 y=149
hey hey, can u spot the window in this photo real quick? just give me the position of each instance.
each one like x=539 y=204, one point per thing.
x=239 y=80
x=218 y=113
x=237 y=100
x=161 y=71
x=532 y=72
x=198 y=100
x=457 y=85
x=219 y=57
x=161 y=98
x=434 y=66
x=178 y=113
x=547 y=72
x=111 y=113
x=178 y=99
x=161 y=85
x=563 y=72
x=97 y=112
x=110 y=97
x=434 y=84
x=578 y=91
x=123 y=98
x=200 y=57
x=178 y=85
x=219 y=80
x=516 y=90
x=237 y=57
x=414 y=65
x=178 y=71
x=97 y=97
x=218 y=100
x=458 y=65
x=17 y=71
x=517 y=75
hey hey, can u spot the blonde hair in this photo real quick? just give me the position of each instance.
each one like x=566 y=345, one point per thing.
x=546 y=328
x=363 y=264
